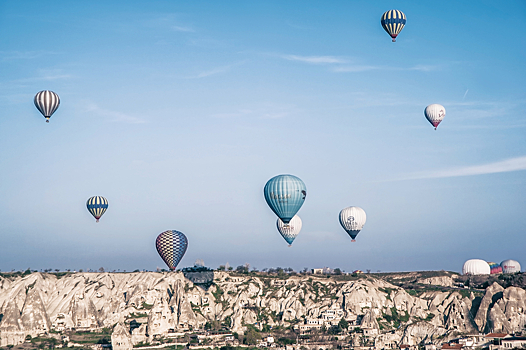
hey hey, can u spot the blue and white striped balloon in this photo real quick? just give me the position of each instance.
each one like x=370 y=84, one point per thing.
x=285 y=194
x=393 y=21
x=47 y=103
x=97 y=206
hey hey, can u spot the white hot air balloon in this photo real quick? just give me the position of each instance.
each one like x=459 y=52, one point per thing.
x=435 y=113
x=47 y=103
x=510 y=266
x=289 y=231
x=352 y=220
x=476 y=267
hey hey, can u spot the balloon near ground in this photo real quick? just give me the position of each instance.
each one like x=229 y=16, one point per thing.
x=352 y=220
x=47 y=103
x=171 y=246
x=289 y=231
x=510 y=266
x=476 y=267
x=494 y=268
x=285 y=194
x=435 y=113
x=393 y=21
x=97 y=206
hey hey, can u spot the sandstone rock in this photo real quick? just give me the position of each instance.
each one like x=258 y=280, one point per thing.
x=492 y=294
x=120 y=338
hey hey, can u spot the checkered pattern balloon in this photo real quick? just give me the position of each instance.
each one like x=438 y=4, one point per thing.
x=171 y=246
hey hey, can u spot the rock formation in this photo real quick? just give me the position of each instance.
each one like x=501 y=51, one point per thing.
x=145 y=306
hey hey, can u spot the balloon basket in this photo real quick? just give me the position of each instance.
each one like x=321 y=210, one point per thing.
x=290 y=245
x=353 y=240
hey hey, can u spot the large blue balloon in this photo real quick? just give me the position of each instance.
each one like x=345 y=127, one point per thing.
x=285 y=195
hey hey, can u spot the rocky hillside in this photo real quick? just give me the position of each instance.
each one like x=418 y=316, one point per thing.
x=151 y=304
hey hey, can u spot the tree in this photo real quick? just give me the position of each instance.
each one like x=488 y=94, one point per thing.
x=337 y=271
x=242 y=269
x=101 y=269
x=252 y=336
x=343 y=324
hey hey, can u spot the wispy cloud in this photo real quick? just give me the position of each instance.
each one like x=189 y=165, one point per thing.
x=183 y=29
x=357 y=68
x=24 y=55
x=422 y=68
x=262 y=112
x=504 y=166
x=46 y=75
x=214 y=71
x=170 y=21
x=345 y=65
x=114 y=116
x=363 y=68
x=315 y=59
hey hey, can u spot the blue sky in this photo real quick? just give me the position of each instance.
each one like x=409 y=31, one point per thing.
x=179 y=112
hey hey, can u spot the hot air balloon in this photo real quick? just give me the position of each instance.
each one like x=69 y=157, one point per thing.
x=352 y=220
x=476 y=267
x=47 y=103
x=494 y=268
x=435 y=113
x=97 y=206
x=510 y=266
x=289 y=231
x=285 y=195
x=171 y=246
x=393 y=21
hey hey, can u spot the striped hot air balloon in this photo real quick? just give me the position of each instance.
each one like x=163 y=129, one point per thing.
x=435 y=113
x=393 y=21
x=171 y=246
x=289 y=231
x=47 y=103
x=97 y=206
x=494 y=268
x=285 y=194
x=352 y=220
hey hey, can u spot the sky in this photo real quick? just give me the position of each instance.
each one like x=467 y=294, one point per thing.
x=179 y=112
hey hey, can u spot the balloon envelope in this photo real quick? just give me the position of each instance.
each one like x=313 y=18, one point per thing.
x=352 y=220
x=97 y=206
x=285 y=194
x=47 y=103
x=435 y=113
x=289 y=231
x=171 y=246
x=393 y=21
x=510 y=266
